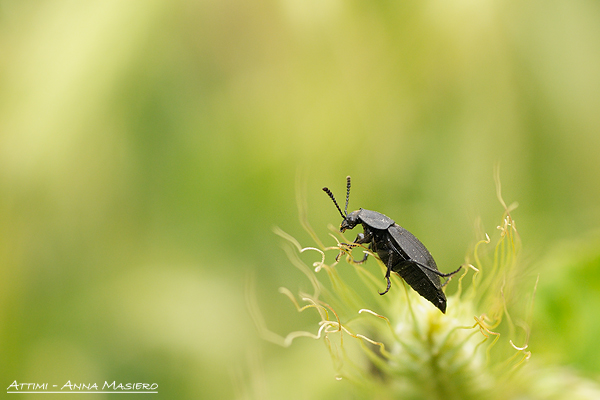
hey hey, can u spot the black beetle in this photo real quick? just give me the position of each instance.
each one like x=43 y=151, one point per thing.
x=398 y=249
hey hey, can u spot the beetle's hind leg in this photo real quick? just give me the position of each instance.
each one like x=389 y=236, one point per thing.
x=435 y=271
x=451 y=273
x=438 y=273
x=449 y=276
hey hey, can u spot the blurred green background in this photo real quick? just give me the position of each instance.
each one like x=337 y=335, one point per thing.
x=148 y=148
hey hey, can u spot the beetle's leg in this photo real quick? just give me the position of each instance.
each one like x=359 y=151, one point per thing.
x=450 y=276
x=366 y=254
x=345 y=251
x=363 y=238
x=360 y=239
x=451 y=273
x=364 y=258
x=387 y=273
x=435 y=271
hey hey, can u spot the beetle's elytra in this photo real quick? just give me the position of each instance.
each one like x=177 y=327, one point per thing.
x=398 y=249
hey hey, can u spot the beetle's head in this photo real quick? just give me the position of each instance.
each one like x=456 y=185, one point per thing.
x=350 y=220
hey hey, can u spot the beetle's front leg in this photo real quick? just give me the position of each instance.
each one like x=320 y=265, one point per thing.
x=360 y=239
x=350 y=246
x=363 y=238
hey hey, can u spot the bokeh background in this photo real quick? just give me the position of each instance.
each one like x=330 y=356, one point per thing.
x=148 y=148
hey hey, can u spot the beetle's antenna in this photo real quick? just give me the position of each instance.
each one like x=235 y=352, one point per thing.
x=326 y=190
x=347 y=194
